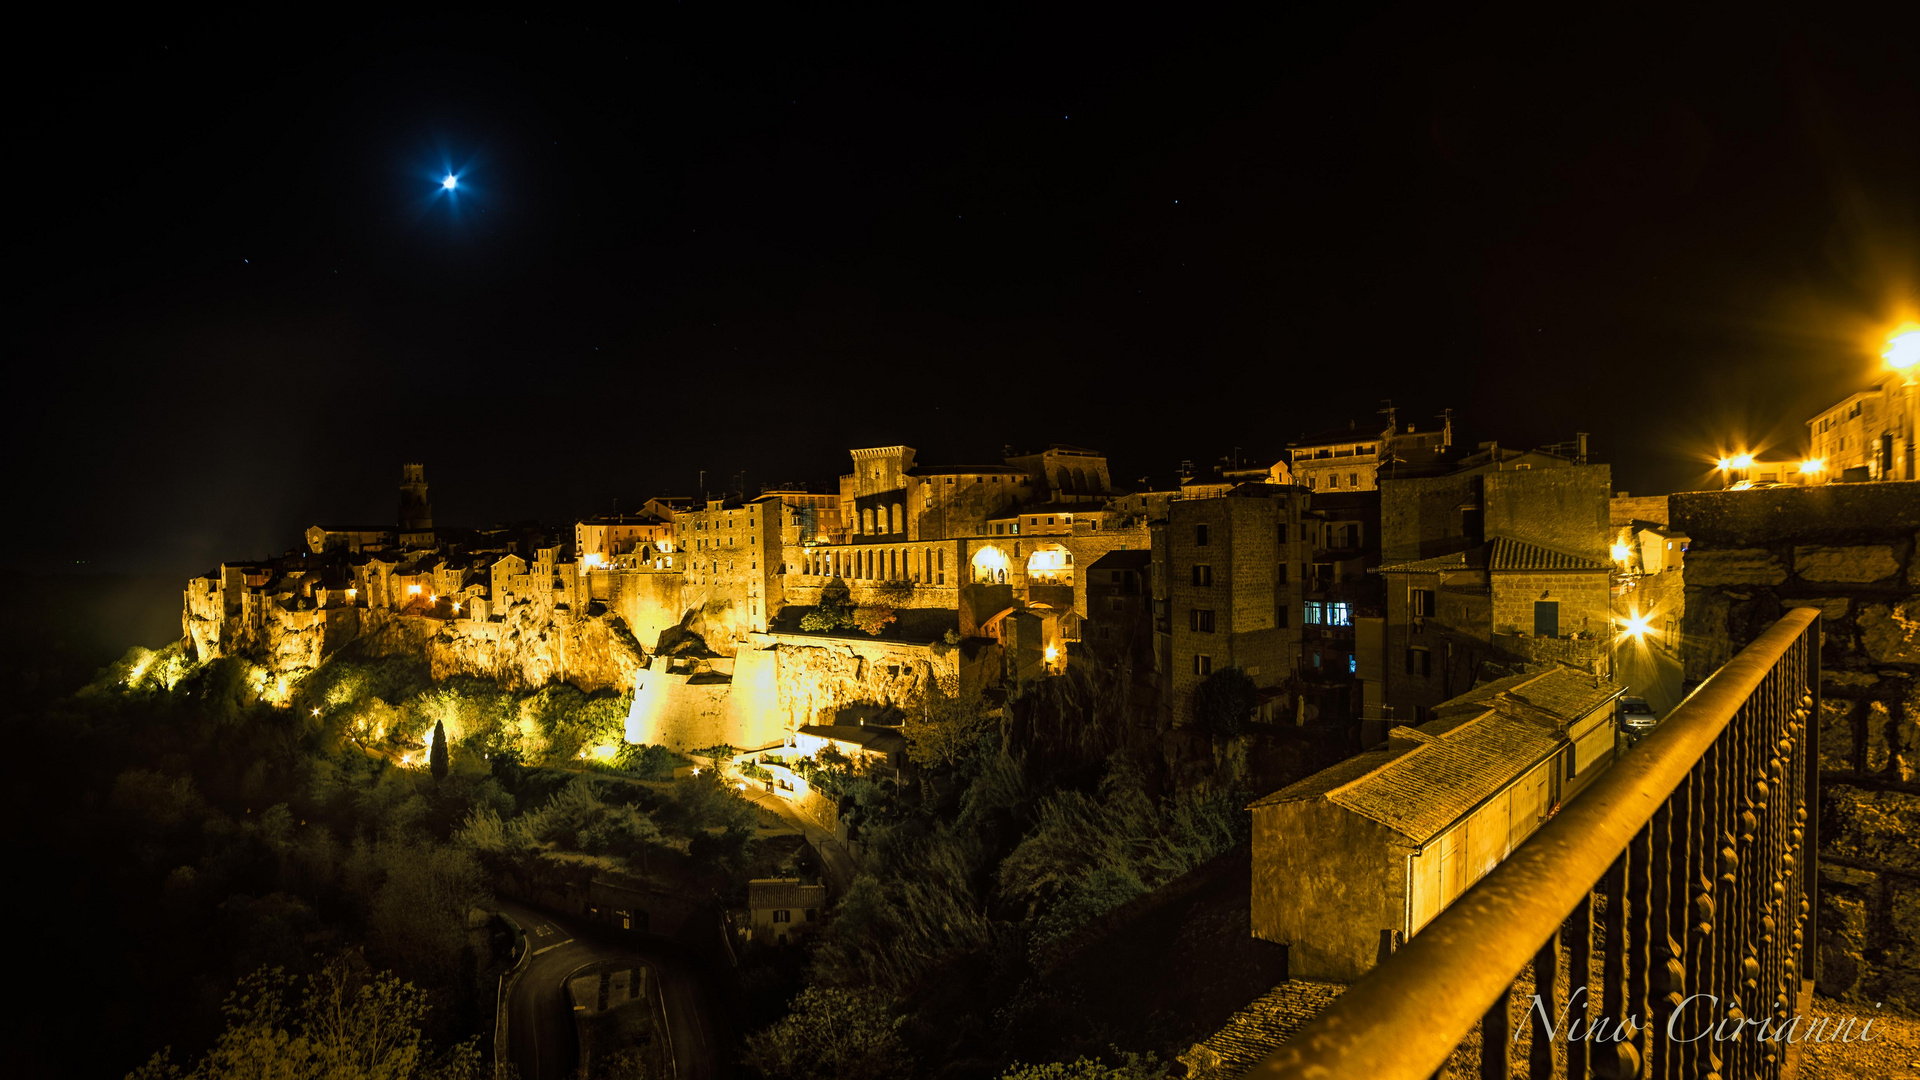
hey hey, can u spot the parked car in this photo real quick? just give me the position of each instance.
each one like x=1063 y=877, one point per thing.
x=1636 y=716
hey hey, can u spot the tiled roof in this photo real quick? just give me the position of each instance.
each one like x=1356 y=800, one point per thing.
x=1426 y=789
x=1472 y=559
x=1327 y=779
x=1511 y=554
x=1419 y=791
x=764 y=893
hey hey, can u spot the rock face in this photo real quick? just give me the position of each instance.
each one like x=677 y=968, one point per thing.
x=1851 y=551
x=524 y=648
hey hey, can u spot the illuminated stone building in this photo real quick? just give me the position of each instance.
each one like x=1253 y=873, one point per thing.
x=1505 y=560
x=597 y=541
x=1352 y=459
x=731 y=553
x=1227 y=591
x=1357 y=858
x=1864 y=437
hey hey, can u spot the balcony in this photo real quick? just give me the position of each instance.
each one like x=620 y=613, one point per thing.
x=1691 y=850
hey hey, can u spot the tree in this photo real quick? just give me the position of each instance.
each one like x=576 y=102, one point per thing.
x=832 y=1033
x=1224 y=701
x=345 y=1024
x=437 y=757
x=873 y=619
x=947 y=729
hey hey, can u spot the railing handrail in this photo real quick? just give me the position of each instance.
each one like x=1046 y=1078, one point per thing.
x=1405 y=1018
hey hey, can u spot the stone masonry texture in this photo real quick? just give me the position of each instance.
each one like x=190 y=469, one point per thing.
x=1849 y=550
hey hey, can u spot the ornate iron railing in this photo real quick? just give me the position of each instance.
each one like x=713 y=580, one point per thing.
x=1694 y=852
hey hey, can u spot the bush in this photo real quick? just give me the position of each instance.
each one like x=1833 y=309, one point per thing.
x=1224 y=701
x=832 y=1034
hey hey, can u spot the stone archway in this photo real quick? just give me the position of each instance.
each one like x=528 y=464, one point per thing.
x=1050 y=564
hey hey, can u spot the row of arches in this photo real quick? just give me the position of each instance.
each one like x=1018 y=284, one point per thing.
x=922 y=566
x=1049 y=564
x=874 y=520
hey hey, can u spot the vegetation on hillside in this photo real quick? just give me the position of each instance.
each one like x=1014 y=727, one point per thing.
x=226 y=835
x=1045 y=815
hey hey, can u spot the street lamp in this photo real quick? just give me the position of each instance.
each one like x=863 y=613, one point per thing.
x=1903 y=353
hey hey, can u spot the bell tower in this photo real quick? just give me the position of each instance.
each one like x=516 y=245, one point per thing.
x=416 y=513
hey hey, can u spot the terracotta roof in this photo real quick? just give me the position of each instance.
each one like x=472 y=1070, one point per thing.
x=1471 y=559
x=764 y=893
x=1420 y=790
x=1511 y=554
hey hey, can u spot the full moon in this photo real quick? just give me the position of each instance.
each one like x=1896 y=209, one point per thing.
x=449 y=182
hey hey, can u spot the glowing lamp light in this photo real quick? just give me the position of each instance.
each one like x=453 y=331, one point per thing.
x=1743 y=461
x=1813 y=465
x=742 y=786
x=456 y=605
x=604 y=751
x=1903 y=348
x=1725 y=464
x=1620 y=553
x=696 y=770
x=450 y=182
x=316 y=710
x=1051 y=653
x=351 y=593
x=413 y=590
x=1636 y=626
x=433 y=598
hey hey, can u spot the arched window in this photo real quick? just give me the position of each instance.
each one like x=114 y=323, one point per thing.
x=897 y=518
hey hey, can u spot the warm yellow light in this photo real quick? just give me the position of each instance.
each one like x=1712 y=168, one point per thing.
x=1725 y=464
x=316 y=710
x=1903 y=347
x=456 y=605
x=1620 y=553
x=696 y=770
x=1813 y=465
x=351 y=593
x=604 y=751
x=1743 y=461
x=1636 y=626
x=1051 y=653
x=413 y=590
x=432 y=598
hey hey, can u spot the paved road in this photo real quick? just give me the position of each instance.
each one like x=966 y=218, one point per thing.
x=834 y=857
x=1648 y=673
x=540 y=1029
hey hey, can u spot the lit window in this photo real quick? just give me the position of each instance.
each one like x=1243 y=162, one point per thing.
x=1315 y=613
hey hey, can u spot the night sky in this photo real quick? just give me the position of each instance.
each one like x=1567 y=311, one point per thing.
x=714 y=238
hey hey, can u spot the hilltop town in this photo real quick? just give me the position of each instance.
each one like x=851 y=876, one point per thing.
x=1362 y=579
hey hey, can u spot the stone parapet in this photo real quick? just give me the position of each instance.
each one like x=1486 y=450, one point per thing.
x=1849 y=550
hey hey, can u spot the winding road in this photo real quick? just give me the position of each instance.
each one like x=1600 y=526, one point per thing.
x=541 y=1039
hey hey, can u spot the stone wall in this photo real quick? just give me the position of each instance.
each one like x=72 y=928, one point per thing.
x=1582 y=596
x=1849 y=550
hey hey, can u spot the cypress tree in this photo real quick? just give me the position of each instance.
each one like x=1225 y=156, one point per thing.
x=437 y=757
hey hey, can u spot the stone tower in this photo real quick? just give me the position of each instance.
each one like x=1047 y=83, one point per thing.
x=416 y=513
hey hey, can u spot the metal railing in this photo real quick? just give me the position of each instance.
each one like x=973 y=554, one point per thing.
x=1694 y=850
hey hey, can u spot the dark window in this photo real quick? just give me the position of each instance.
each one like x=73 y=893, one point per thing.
x=1202 y=574
x=1422 y=602
x=1546 y=618
x=1283 y=573
x=1201 y=620
x=1200 y=535
x=1280 y=615
x=812 y=914
x=782 y=915
x=1419 y=662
